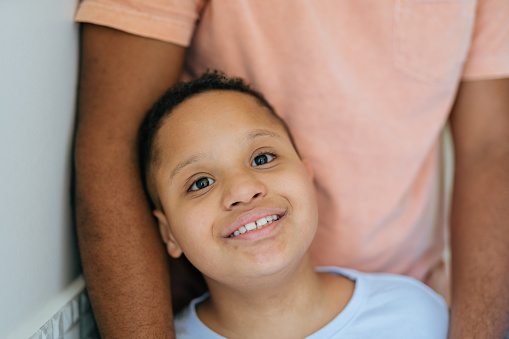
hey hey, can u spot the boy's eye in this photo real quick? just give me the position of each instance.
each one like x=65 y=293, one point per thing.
x=262 y=159
x=201 y=183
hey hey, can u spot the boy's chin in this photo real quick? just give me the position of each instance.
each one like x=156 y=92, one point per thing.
x=265 y=274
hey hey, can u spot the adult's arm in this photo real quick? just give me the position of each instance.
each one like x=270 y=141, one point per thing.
x=124 y=261
x=480 y=211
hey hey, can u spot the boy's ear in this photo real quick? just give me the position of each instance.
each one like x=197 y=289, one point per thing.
x=307 y=166
x=172 y=246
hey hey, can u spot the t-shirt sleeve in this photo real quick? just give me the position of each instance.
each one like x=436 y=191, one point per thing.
x=426 y=311
x=489 y=51
x=402 y=307
x=167 y=20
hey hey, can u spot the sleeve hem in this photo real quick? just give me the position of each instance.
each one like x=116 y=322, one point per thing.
x=134 y=22
x=486 y=68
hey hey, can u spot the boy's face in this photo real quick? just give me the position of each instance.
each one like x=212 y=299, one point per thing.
x=226 y=162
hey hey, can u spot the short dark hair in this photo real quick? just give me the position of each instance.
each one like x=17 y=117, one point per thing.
x=164 y=106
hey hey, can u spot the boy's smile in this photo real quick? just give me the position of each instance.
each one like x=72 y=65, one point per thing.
x=236 y=198
x=254 y=225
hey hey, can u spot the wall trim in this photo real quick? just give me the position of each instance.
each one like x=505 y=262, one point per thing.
x=61 y=317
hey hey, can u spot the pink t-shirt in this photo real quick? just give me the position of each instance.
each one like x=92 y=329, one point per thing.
x=365 y=86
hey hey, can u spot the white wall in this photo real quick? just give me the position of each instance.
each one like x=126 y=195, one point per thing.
x=38 y=73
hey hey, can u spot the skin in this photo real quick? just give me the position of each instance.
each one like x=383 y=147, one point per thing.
x=121 y=75
x=264 y=275
x=124 y=261
x=480 y=213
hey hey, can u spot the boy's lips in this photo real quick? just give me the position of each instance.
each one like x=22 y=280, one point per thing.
x=252 y=221
x=255 y=225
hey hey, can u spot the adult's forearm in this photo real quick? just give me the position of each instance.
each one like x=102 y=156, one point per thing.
x=124 y=260
x=480 y=211
x=480 y=252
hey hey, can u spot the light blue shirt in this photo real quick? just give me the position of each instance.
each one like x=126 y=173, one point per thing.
x=382 y=306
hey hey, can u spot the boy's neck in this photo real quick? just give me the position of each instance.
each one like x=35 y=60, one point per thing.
x=292 y=304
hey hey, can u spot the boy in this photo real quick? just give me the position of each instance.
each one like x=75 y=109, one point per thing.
x=231 y=193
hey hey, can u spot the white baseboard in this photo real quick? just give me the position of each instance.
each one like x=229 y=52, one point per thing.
x=65 y=316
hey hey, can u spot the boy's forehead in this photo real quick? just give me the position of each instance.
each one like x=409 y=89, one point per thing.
x=219 y=103
x=228 y=109
x=205 y=113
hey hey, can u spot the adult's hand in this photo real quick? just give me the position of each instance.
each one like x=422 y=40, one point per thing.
x=480 y=211
x=124 y=260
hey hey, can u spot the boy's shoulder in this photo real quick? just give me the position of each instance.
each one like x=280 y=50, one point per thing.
x=391 y=290
x=382 y=285
x=401 y=283
x=395 y=305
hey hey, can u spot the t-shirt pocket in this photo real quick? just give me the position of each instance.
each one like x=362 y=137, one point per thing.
x=432 y=37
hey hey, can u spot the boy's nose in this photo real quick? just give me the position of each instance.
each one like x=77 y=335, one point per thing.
x=242 y=188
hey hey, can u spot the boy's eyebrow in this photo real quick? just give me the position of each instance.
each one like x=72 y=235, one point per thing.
x=191 y=160
x=261 y=133
x=197 y=157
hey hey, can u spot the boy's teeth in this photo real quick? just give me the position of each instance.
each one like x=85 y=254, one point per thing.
x=255 y=225
x=262 y=221
x=251 y=226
